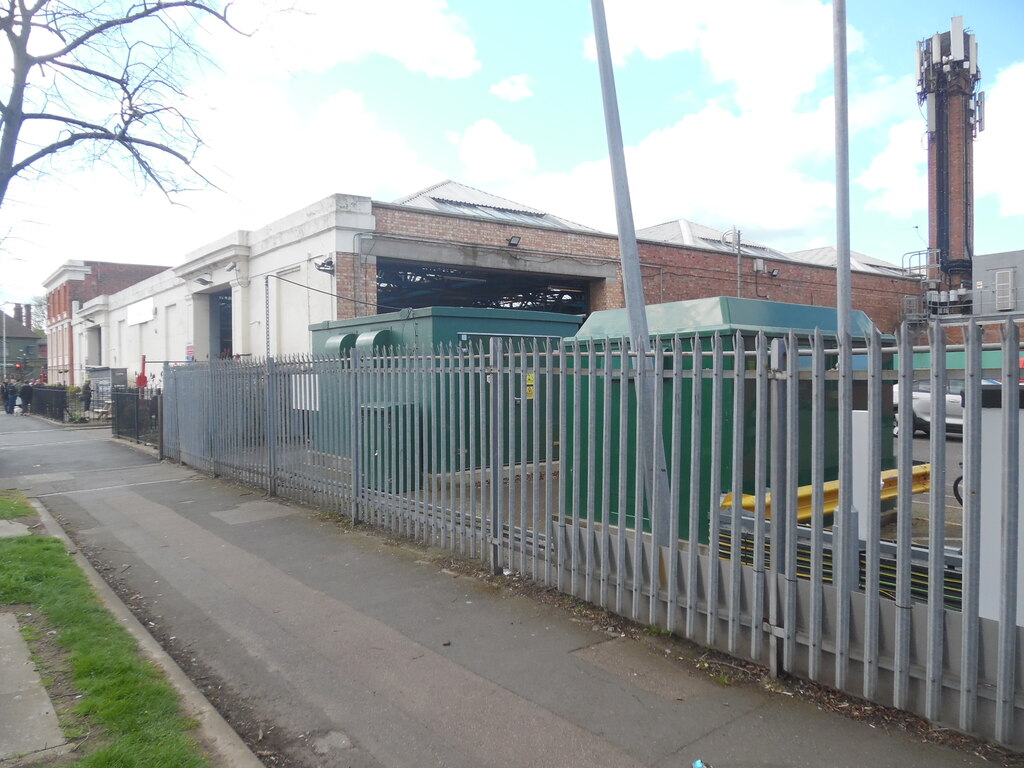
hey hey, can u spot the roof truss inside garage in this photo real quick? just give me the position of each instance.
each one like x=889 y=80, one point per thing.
x=416 y=284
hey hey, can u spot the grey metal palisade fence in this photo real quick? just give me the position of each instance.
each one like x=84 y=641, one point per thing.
x=521 y=453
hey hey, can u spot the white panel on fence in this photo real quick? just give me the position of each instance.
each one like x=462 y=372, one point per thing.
x=305 y=389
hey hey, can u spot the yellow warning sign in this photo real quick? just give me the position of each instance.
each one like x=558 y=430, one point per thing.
x=529 y=386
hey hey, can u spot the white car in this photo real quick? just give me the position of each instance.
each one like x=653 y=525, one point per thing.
x=923 y=402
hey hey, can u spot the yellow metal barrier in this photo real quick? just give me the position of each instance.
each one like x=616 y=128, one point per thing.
x=921 y=476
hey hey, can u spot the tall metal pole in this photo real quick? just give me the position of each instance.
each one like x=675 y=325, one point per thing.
x=843 y=291
x=632 y=282
x=739 y=257
x=846 y=576
x=266 y=311
x=739 y=264
x=652 y=454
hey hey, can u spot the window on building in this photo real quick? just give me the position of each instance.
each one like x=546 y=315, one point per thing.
x=1006 y=298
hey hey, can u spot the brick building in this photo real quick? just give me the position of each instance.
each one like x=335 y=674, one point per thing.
x=24 y=349
x=471 y=235
x=257 y=292
x=75 y=283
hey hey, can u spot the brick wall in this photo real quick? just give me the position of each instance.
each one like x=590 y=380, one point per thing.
x=410 y=222
x=670 y=273
x=674 y=273
x=356 y=279
x=958 y=194
x=108 y=278
x=105 y=278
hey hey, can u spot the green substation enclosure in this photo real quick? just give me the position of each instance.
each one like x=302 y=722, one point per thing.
x=405 y=404
x=696 y=322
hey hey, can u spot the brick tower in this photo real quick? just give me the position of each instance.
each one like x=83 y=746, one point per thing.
x=948 y=76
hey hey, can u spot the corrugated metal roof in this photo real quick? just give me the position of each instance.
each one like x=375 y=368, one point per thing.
x=452 y=197
x=684 y=232
x=454 y=192
x=828 y=256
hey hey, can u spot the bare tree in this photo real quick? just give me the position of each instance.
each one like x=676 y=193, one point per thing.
x=103 y=77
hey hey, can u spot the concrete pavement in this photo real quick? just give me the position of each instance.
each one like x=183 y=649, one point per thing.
x=331 y=647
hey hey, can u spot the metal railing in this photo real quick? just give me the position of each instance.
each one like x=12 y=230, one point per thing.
x=523 y=454
x=59 y=403
x=135 y=414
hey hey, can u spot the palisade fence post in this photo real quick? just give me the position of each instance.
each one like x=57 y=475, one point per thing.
x=496 y=454
x=356 y=443
x=168 y=387
x=778 y=392
x=213 y=417
x=270 y=391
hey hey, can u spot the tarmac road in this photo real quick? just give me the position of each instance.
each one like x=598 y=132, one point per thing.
x=341 y=649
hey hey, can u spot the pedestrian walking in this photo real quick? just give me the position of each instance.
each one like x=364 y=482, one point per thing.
x=25 y=393
x=10 y=395
x=87 y=396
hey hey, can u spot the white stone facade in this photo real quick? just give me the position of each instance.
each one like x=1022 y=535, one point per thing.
x=172 y=316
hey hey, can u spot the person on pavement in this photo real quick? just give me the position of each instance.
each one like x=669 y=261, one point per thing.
x=87 y=396
x=10 y=395
x=25 y=393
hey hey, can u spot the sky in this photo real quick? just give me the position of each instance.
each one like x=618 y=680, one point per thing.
x=726 y=107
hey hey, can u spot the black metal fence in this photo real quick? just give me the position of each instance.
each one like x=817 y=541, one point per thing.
x=135 y=414
x=60 y=404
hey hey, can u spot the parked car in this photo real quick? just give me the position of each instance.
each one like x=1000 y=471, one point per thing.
x=922 y=401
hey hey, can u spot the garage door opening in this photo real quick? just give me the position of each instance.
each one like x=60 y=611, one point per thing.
x=416 y=285
x=221 y=341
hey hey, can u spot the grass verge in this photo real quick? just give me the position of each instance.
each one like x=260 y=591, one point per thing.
x=124 y=712
x=12 y=505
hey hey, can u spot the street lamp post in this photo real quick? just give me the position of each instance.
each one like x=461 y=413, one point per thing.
x=3 y=311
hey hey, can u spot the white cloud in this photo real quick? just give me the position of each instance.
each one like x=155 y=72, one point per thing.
x=713 y=167
x=513 y=88
x=998 y=160
x=491 y=156
x=898 y=177
x=773 y=51
x=314 y=35
x=652 y=28
x=887 y=101
x=898 y=173
x=265 y=169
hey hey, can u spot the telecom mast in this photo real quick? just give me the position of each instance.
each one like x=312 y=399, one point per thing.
x=948 y=76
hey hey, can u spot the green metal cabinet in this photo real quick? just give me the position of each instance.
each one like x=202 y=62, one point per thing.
x=695 y=321
x=429 y=328
x=445 y=401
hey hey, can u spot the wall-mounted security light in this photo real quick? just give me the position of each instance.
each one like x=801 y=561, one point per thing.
x=204 y=281
x=327 y=265
x=513 y=241
x=773 y=273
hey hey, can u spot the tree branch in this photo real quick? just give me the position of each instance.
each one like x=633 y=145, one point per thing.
x=108 y=85
x=146 y=11
x=86 y=71
x=99 y=133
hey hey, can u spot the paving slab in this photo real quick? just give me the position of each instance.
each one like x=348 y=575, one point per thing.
x=28 y=722
x=11 y=528
x=350 y=650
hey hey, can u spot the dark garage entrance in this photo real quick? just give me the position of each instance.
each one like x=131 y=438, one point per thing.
x=417 y=284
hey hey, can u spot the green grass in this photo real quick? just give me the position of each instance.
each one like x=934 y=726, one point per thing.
x=13 y=504
x=130 y=712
